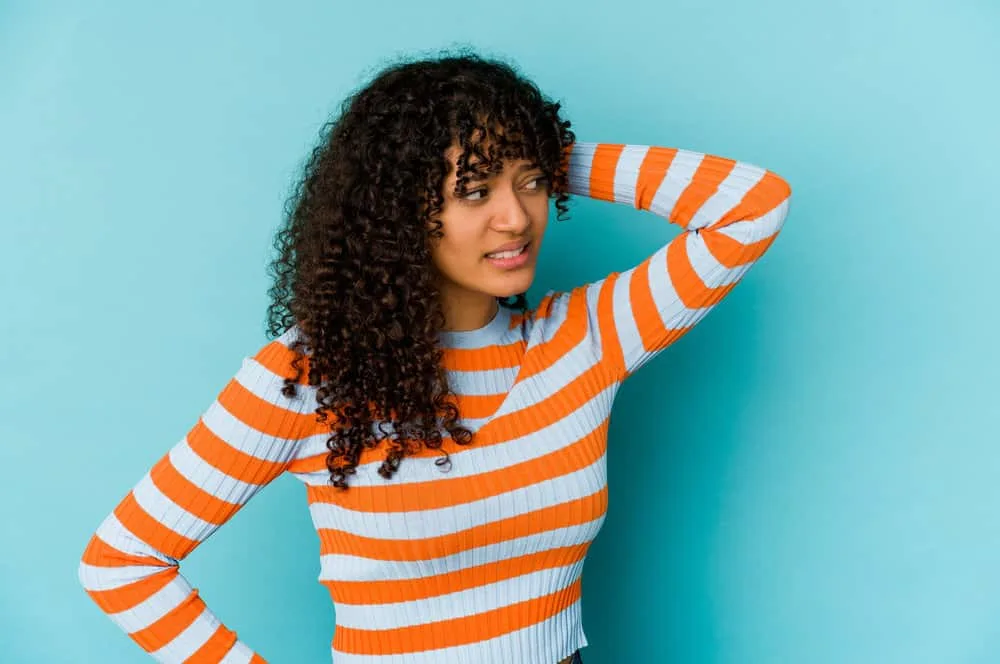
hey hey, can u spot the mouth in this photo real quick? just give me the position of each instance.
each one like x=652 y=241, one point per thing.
x=510 y=260
x=511 y=253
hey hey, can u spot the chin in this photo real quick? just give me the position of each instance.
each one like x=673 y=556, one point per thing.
x=514 y=285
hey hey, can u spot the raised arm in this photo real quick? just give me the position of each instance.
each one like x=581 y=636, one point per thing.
x=130 y=566
x=731 y=212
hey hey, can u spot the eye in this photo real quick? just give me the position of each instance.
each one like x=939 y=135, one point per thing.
x=474 y=191
x=542 y=182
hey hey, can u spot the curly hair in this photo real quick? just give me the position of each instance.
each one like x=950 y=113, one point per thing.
x=353 y=269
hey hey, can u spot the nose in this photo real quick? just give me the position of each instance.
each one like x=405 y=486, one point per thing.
x=511 y=216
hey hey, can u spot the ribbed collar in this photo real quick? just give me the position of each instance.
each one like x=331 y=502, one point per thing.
x=491 y=333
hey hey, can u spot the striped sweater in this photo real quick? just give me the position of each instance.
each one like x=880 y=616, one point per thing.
x=480 y=564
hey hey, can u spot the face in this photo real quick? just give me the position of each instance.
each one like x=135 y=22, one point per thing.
x=511 y=206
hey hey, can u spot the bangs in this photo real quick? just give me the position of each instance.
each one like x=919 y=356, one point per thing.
x=488 y=145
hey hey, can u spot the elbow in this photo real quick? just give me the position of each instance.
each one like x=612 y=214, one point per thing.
x=89 y=570
x=85 y=576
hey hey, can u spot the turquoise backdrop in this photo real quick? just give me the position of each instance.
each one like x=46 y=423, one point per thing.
x=812 y=475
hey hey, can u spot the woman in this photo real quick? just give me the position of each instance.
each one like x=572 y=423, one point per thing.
x=477 y=468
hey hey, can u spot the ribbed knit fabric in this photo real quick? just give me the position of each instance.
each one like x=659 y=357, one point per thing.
x=480 y=564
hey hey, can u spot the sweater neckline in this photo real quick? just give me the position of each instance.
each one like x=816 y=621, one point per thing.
x=489 y=334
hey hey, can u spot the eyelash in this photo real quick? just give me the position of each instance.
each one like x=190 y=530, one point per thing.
x=540 y=179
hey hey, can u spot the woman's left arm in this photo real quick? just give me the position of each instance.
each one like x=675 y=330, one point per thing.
x=731 y=212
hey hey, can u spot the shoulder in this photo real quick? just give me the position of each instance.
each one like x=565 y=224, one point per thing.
x=564 y=315
x=277 y=354
x=571 y=311
x=277 y=363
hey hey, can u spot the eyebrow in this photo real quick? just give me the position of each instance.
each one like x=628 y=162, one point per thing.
x=523 y=167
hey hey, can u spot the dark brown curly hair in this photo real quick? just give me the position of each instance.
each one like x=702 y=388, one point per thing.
x=354 y=268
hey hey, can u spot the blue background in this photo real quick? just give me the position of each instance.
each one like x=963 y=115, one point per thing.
x=809 y=476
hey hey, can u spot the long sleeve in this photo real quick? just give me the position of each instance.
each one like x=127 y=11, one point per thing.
x=731 y=212
x=130 y=567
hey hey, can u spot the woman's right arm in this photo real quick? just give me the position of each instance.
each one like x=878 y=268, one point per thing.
x=130 y=568
x=731 y=211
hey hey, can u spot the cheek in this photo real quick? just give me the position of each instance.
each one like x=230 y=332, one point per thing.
x=457 y=249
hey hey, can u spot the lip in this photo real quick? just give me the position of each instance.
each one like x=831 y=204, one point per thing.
x=513 y=263
x=510 y=246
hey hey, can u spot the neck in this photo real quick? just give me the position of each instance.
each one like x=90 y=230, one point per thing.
x=468 y=311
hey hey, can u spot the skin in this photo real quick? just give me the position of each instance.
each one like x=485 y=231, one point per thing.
x=509 y=206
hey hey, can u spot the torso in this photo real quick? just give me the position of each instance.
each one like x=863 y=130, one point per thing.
x=532 y=490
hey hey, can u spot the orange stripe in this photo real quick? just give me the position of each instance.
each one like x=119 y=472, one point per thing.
x=652 y=171
x=151 y=531
x=648 y=319
x=540 y=312
x=569 y=513
x=101 y=554
x=190 y=496
x=130 y=595
x=611 y=349
x=317 y=462
x=278 y=359
x=690 y=288
x=704 y=183
x=456 y=631
x=544 y=308
x=263 y=415
x=506 y=356
x=733 y=253
x=310 y=464
x=549 y=410
x=167 y=628
x=769 y=192
x=220 y=643
x=568 y=336
x=390 y=591
x=602 y=170
x=448 y=492
x=227 y=459
x=477 y=405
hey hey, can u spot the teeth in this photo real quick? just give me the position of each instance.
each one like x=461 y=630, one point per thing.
x=508 y=254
